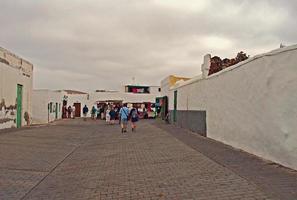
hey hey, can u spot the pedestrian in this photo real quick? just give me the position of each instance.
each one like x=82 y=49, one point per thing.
x=102 y=112
x=73 y=112
x=134 y=118
x=69 y=112
x=124 y=114
x=112 y=114
x=64 y=112
x=93 y=112
x=118 y=114
x=107 y=115
x=98 y=112
x=85 y=112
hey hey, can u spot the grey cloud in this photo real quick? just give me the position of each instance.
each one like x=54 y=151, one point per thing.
x=95 y=44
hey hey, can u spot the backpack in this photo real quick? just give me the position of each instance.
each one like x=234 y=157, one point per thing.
x=134 y=114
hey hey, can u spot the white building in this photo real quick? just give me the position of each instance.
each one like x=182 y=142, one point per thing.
x=46 y=106
x=251 y=105
x=162 y=102
x=75 y=98
x=128 y=94
x=51 y=105
x=16 y=75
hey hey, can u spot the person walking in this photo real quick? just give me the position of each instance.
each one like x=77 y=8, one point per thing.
x=134 y=118
x=102 y=112
x=65 y=112
x=118 y=114
x=85 y=112
x=112 y=114
x=93 y=112
x=98 y=112
x=107 y=115
x=69 y=112
x=73 y=112
x=124 y=114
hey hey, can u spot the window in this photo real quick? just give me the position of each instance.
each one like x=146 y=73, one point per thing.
x=159 y=89
x=138 y=89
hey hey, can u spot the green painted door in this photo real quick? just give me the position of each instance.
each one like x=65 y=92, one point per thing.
x=175 y=106
x=19 y=105
x=57 y=110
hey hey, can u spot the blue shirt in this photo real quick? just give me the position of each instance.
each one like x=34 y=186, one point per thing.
x=124 y=112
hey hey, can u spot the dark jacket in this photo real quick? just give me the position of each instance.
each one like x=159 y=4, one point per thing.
x=85 y=110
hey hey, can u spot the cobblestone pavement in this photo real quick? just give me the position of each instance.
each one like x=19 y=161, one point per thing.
x=91 y=160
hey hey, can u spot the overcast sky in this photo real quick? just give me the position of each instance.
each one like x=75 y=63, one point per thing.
x=102 y=44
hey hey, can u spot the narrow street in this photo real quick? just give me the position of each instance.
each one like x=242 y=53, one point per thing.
x=74 y=159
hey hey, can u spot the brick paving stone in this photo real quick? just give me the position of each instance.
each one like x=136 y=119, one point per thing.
x=274 y=180
x=92 y=160
x=16 y=183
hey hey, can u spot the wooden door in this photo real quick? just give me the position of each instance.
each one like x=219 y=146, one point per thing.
x=77 y=109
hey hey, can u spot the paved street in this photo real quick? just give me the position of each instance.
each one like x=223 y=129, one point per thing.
x=91 y=160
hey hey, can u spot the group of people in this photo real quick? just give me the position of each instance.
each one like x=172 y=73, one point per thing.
x=69 y=112
x=126 y=115
x=108 y=113
x=111 y=113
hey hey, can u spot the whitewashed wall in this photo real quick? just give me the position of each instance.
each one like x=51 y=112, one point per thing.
x=122 y=96
x=165 y=87
x=40 y=101
x=10 y=76
x=83 y=99
x=251 y=106
x=91 y=98
x=154 y=90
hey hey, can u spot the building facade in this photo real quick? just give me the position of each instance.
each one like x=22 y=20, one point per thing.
x=130 y=94
x=46 y=106
x=16 y=82
x=251 y=105
x=162 y=102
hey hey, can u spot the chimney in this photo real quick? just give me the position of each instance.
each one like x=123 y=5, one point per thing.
x=206 y=65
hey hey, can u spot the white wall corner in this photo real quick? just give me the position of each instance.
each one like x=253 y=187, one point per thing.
x=206 y=65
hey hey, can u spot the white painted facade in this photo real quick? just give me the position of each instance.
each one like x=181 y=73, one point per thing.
x=42 y=98
x=46 y=106
x=93 y=97
x=83 y=99
x=13 y=71
x=251 y=106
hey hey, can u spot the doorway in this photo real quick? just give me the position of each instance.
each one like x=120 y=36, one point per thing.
x=19 y=105
x=56 y=111
x=175 y=106
x=64 y=109
x=164 y=107
x=77 y=109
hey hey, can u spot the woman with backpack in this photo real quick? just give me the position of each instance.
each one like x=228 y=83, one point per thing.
x=134 y=118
